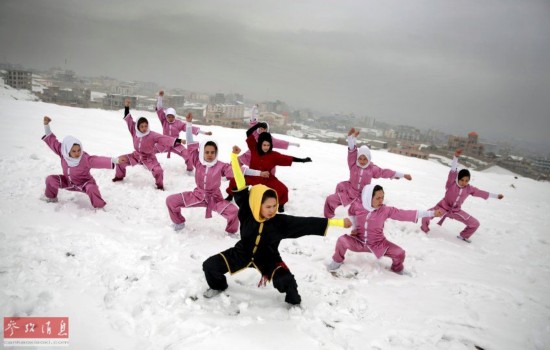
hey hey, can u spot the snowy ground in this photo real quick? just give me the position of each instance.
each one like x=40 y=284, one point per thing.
x=127 y=281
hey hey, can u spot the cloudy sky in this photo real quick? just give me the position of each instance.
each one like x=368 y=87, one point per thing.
x=456 y=65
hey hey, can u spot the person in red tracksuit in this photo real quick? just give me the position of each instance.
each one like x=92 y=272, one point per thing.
x=264 y=159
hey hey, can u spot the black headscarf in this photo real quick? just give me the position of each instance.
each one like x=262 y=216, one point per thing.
x=264 y=136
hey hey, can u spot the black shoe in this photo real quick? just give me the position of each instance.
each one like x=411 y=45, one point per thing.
x=281 y=208
x=229 y=198
x=160 y=187
x=117 y=179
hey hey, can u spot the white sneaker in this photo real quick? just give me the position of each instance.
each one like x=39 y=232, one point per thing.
x=464 y=239
x=189 y=172
x=210 y=293
x=178 y=227
x=49 y=200
x=333 y=266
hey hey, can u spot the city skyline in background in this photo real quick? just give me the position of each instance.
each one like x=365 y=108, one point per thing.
x=451 y=66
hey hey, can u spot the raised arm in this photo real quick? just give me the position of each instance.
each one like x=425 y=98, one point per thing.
x=352 y=137
x=352 y=147
x=255 y=127
x=126 y=107
x=254 y=115
x=237 y=173
x=454 y=164
x=50 y=138
x=47 y=129
x=160 y=110
x=189 y=128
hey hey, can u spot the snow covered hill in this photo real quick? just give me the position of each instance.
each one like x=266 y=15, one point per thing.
x=126 y=280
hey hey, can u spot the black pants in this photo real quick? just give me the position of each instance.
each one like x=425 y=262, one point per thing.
x=215 y=269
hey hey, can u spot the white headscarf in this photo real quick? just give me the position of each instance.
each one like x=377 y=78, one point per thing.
x=366 y=197
x=66 y=145
x=169 y=111
x=142 y=134
x=363 y=150
x=202 y=143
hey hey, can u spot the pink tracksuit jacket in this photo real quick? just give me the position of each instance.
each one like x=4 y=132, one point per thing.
x=145 y=149
x=451 y=204
x=349 y=191
x=207 y=192
x=77 y=178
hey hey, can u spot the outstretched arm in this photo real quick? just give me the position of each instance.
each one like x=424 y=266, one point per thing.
x=399 y=175
x=253 y=172
x=428 y=214
x=345 y=223
x=301 y=160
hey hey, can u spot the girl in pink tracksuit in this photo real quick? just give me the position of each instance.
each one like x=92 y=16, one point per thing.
x=368 y=236
x=145 y=141
x=457 y=190
x=172 y=127
x=208 y=175
x=76 y=165
x=361 y=172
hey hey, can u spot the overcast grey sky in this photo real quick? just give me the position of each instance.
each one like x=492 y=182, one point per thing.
x=459 y=65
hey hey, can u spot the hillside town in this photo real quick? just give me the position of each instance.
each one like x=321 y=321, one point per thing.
x=65 y=87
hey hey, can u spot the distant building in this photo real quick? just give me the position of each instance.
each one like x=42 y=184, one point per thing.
x=234 y=98
x=410 y=152
x=116 y=101
x=198 y=97
x=274 y=119
x=147 y=103
x=469 y=144
x=542 y=165
x=174 y=101
x=276 y=107
x=197 y=112
x=390 y=134
x=224 y=111
x=19 y=79
x=218 y=119
x=65 y=76
x=435 y=137
x=124 y=89
x=491 y=148
x=75 y=97
x=218 y=99
x=371 y=132
x=368 y=122
x=378 y=144
x=408 y=133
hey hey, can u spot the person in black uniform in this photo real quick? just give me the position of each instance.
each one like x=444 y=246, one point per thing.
x=262 y=229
